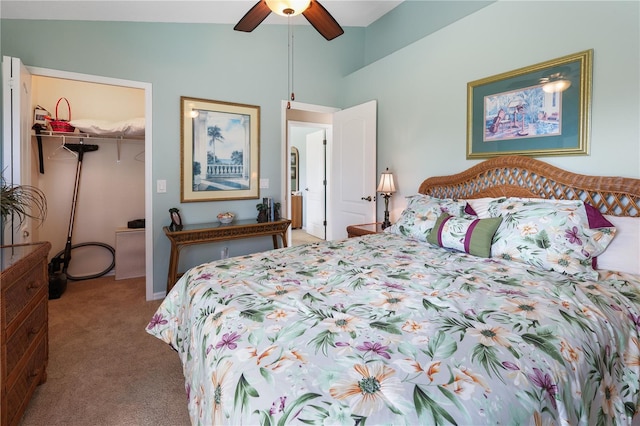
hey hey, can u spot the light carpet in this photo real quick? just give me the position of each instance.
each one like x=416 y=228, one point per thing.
x=300 y=237
x=104 y=369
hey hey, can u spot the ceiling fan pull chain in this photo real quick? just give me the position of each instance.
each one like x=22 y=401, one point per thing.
x=293 y=97
x=289 y=84
x=290 y=55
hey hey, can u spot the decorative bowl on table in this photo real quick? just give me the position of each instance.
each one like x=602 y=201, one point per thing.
x=226 y=217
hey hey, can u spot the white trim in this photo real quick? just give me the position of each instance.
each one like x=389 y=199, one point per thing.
x=48 y=72
x=148 y=156
x=157 y=296
x=309 y=107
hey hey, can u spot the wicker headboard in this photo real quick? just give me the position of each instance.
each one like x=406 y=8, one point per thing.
x=518 y=176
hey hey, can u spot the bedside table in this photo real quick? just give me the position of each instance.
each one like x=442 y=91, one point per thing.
x=364 y=229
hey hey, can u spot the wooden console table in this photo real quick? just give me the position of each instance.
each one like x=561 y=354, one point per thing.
x=211 y=232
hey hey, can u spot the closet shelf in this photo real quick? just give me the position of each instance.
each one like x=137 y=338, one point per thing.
x=76 y=135
x=82 y=136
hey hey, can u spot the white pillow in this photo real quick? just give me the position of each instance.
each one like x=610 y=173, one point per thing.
x=131 y=127
x=623 y=254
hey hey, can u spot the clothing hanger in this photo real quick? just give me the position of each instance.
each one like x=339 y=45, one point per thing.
x=62 y=153
x=139 y=157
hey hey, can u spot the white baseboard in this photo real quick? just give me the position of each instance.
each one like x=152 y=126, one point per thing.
x=158 y=296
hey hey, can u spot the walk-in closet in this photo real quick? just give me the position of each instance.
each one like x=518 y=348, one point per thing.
x=111 y=189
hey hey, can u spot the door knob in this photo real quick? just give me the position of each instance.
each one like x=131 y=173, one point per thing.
x=368 y=198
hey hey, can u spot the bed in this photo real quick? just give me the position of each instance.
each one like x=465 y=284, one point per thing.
x=422 y=324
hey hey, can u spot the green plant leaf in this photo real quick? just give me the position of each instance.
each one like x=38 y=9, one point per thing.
x=486 y=356
x=243 y=391
x=441 y=346
x=385 y=326
x=428 y=305
x=425 y=404
x=295 y=404
x=544 y=345
x=323 y=341
x=253 y=315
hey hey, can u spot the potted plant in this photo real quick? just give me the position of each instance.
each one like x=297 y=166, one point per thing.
x=22 y=202
x=263 y=213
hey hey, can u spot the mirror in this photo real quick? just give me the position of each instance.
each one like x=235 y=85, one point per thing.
x=294 y=170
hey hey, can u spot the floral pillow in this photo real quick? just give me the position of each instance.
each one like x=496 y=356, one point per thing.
x=421 y=213
x=471 y=236
x=555 y=236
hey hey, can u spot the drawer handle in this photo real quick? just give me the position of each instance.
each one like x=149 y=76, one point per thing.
x=33 y=331
x=33 y=286
x=34 y=373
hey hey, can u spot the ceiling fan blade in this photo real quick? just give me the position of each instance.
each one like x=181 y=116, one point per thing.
x=322 y=21
x=253 y=17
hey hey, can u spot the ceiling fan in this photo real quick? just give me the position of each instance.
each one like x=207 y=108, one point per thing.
x=315 y=13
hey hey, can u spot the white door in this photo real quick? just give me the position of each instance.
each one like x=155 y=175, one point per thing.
x=352 y=181
x=16 y=145
x=315 y=186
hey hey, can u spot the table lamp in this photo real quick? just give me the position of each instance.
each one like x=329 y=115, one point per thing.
x=386 y=188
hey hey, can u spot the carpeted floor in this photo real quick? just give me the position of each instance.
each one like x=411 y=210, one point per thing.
x=299 y=237
x=104 y=369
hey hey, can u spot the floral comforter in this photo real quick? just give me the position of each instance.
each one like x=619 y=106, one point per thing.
x=386 y=330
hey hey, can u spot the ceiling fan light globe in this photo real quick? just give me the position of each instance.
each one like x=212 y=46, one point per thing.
x=555 y=86
x=284 y=7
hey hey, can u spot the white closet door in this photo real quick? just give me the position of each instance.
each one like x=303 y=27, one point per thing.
x=16 y=123
x=315 y=188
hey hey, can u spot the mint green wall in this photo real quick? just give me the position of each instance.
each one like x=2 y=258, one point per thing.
x=421 y=89
x=411 y=21
x=196 y=60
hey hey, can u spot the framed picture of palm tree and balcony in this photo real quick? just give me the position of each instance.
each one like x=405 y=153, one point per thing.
x=219 y=150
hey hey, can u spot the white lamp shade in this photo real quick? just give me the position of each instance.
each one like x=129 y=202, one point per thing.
x=386 y=185
x=279 y=6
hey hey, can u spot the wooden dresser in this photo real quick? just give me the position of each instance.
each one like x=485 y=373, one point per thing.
x=24 y=345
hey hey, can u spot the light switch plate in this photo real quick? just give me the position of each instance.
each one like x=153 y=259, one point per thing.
x=161 y=186
x=264 y=183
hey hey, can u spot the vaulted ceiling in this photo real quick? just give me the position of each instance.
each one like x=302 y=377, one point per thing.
x=356 y=13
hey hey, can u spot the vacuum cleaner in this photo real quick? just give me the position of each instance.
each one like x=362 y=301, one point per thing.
x=59 y=264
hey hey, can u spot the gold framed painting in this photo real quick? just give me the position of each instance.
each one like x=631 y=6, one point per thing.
x=219 y=150
x=542 y=109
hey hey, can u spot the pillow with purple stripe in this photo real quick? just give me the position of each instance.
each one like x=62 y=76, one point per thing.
x=471 y=236
x=417 y=219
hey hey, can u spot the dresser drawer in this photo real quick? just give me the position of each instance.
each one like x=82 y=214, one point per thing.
x=27 y=379
x=23 y=290
x=20 y=341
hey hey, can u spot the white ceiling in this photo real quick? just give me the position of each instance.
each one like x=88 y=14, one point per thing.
x=350 y=13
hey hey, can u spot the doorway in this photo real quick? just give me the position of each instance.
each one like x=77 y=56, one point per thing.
x=308 y=177
x=299 y=121
x=350 y=162
x=146 y=156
